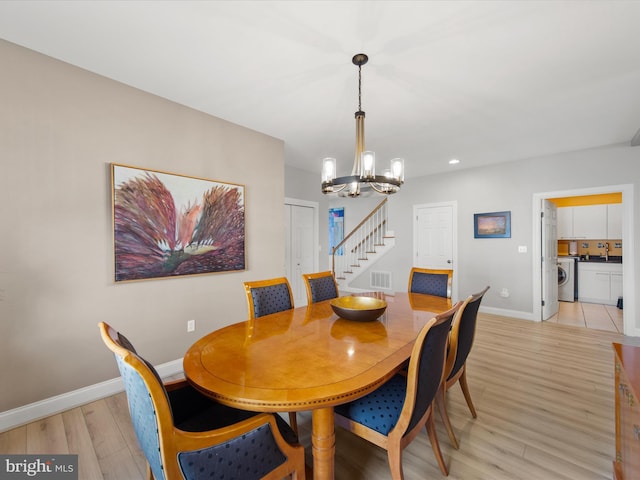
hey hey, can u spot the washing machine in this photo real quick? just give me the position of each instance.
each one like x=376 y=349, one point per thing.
x=567 y=279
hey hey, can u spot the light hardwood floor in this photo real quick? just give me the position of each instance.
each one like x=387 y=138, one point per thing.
x=543 y=392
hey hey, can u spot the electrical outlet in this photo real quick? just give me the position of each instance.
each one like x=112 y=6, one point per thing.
x=191 y=325
x=522 y=249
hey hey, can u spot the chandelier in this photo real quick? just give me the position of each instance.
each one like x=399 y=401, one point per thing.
x=363 y=177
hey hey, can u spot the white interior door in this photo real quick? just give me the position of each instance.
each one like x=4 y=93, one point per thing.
x=300 y=248
x=434 y=237
x=549 y=249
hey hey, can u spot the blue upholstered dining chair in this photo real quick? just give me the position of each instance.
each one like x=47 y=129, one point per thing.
x=185 y=435
x=320 y=286
x=430 y=281
x=393 y=415
x=268 y=296
x=265 y=297
x=463 y=332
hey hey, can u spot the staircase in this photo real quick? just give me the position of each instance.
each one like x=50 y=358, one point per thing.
x=361 y=248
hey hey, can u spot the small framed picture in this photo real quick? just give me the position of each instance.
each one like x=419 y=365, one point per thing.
x=492 y=225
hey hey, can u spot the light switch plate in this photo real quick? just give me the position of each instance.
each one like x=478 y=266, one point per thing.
x=522 y=249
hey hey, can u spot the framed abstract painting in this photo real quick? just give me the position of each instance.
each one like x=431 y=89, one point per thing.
x=169 y=225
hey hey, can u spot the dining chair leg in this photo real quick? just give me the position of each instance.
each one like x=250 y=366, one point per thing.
x=433 y=438
x=442 y=408
x=293 y=422
x=465 y=391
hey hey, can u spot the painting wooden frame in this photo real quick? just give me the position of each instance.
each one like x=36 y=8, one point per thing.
x=169 y=225
x=492 y=225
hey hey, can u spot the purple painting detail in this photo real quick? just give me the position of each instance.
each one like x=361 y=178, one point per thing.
x=170 y=225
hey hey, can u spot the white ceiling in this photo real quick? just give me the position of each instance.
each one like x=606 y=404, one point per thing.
x=481 y=81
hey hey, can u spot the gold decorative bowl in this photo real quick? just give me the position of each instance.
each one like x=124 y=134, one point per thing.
x=359 y=309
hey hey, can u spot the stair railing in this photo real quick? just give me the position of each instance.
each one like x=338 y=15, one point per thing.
x=360 y=242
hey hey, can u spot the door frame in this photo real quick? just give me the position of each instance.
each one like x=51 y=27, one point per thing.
x=316 y=228
x=628 y=272
x=454 y=239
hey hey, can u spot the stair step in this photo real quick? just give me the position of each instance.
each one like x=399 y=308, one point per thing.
x=364 y=248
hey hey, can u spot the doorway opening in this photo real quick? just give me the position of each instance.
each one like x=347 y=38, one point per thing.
x=627 y=242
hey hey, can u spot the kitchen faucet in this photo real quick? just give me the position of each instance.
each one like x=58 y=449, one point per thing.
x=606 y=252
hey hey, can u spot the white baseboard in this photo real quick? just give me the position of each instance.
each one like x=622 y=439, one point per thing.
x=65 y=401
x=507 y=313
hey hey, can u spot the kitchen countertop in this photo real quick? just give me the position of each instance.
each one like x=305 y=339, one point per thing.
x=596 y=259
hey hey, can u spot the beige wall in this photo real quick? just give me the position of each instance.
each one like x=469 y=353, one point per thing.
x=60 y=128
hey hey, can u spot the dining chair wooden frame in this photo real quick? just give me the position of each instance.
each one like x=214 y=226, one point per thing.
x=430 y=271
x=426 y=358
x=252 y=287
x=320 y=286
x=460 y=343
x=171 y=452
x=277 y=286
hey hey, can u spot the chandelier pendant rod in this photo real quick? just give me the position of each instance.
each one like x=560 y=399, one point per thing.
x=359 y=60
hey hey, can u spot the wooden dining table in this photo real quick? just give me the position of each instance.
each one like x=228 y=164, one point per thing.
x=309 y=359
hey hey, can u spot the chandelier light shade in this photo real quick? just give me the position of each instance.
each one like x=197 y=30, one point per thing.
x=363 y=178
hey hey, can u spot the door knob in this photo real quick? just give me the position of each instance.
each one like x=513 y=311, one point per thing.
x=448 y=261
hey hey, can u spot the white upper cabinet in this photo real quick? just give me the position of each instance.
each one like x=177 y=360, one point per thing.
x=614 y=221
x=590 y=221
x=565 y=222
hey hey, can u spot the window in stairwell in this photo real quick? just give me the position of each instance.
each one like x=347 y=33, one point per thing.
x=336 y=229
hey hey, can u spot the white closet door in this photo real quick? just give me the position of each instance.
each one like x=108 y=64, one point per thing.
x=300 y=248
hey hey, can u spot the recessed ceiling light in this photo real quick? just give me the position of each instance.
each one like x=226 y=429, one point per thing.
x=453 y=161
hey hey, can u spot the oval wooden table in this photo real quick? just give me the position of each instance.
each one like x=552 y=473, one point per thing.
x=308 y=359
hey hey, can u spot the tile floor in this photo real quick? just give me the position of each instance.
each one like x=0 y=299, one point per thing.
x=590 y=315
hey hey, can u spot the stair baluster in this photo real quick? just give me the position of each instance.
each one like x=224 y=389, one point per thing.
x=359 y=245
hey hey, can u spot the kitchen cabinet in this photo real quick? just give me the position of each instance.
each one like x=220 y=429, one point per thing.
x=626 y=465
x=614 y=221
x=599 y=282
x=615 y=279
x=585 y=222
x=565 y=223
x=590 y=221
